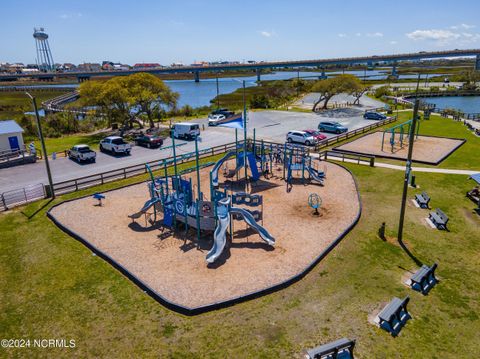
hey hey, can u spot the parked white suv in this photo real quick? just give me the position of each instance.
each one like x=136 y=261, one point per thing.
x=115 y=144
x=186 y=130
x=214 y=120
x=301 y=137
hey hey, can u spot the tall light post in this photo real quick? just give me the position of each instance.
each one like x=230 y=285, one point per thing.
x=408 y=167
x=218 y=100
x=44 y=149
x=245 y=134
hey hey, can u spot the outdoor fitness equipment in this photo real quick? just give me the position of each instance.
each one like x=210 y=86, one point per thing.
x=403 y=135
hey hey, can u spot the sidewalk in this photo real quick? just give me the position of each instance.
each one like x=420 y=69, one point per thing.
x=414 y=169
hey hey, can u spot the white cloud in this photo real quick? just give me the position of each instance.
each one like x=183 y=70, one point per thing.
x=265 y=33
x=443 y=37
x=462 y=26
x=375 y=34
x=393 y=42
x=358 y=34
x=342 y=35
x=66 y=16
x=439 y=35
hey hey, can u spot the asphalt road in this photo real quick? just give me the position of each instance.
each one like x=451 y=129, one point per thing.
x=269 y=125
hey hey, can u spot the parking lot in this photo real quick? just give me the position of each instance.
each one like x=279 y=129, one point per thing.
x=269 y=125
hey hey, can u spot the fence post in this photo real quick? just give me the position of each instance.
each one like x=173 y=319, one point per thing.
x=372 y=162
x=3 y=201
x=25 y=194
x=76 y=185
x=101 y=177
x=124 y=173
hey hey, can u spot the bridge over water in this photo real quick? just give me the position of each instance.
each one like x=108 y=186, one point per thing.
x=257 y=67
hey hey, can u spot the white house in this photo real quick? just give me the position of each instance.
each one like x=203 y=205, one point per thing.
x=11 y=137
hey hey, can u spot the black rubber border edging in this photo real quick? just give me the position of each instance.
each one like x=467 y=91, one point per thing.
x=216 y=305
x=462 y=141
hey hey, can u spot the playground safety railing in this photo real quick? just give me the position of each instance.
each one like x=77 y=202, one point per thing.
x=345 y=136
x=130 y=171
x=351 y=156
x=17 y=197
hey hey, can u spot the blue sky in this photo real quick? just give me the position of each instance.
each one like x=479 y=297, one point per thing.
x=185 y=31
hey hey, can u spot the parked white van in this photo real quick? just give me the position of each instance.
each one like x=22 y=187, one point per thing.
x=186 y=130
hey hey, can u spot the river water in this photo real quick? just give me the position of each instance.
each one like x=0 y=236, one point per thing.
x=197 y=94
x=467 y=104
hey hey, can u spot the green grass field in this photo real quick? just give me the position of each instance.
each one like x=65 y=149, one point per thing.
x=52 y=286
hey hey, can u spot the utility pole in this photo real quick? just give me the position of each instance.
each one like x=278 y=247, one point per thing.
x=44 y=149
x=218 y=100
x=408 y=167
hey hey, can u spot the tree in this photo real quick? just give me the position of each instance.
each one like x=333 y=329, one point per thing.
x=150 y=94
x=333 y=86
x=383 y=91
x=122 y=99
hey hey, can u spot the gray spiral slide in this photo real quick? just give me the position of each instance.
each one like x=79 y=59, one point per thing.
x=315 y=175
x=217 y=167
x=267 y=237
x=220 y=235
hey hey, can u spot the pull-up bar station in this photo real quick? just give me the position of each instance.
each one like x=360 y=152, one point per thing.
x=403 y=130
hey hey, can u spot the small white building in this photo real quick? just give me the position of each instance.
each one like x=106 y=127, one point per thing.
x=11 y=136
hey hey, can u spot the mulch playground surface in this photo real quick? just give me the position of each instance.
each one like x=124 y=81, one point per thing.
x=426 y=149
x=173 y=268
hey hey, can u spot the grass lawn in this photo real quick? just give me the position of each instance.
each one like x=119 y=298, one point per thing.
x=66 y=142
x=52 y=287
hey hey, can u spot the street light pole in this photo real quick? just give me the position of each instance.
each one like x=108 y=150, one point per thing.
x=218 y=100
x=408 y=167
x=245 y=134
x=44 y=149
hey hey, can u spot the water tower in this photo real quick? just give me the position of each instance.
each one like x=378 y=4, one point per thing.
x=44 y=55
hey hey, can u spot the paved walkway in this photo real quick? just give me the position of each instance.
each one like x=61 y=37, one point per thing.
x=414 y=169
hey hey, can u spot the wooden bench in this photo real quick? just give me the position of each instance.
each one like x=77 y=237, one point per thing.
x=422 y=199
x=394 y=314
x=343 y=346
x=439 y=218
x=424 y=278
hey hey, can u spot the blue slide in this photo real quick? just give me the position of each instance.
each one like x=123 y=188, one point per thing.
x=316 y=175
x=267 y=237
x=253 y=166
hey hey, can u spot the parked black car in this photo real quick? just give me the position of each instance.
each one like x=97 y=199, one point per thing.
x=149 y=141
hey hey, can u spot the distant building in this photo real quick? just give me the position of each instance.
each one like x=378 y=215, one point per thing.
x=177 y=64
x=68 y=66
x=29 y=70
x=107 y=65
x=121 y=67
x=88 y=66
x=200 y=64
x=11 y=136
x=140 y=66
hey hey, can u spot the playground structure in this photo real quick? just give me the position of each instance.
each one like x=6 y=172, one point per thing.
x=173 y=198
x=172 y=266
x=403 y=135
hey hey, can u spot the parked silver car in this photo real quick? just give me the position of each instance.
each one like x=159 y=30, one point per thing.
x=301 y=137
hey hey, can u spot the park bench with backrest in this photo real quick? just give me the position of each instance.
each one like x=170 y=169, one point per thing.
x=341 y=348
x=422 y=199
x=424 y=278
x=394 y=315
x=439 y=218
